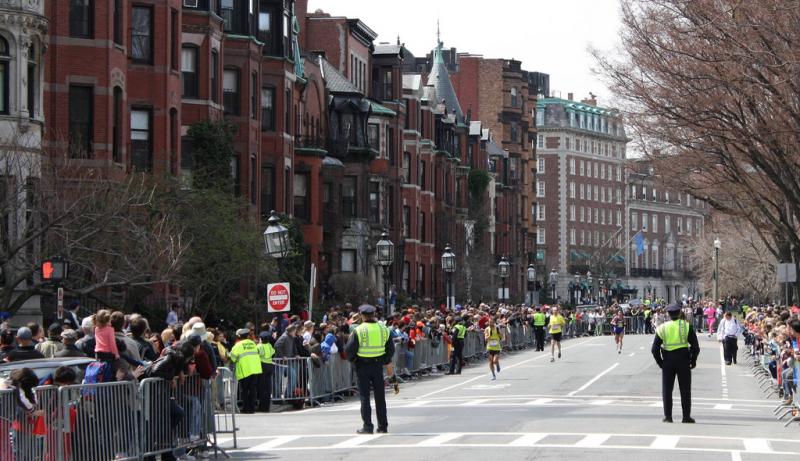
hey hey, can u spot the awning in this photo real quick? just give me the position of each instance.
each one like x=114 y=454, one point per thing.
x=381 y=110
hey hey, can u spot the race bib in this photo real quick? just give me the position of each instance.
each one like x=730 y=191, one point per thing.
x=494 y=343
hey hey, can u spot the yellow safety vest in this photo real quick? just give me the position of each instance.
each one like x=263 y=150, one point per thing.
x=493 y=344
x=674 y=335
x=247 y=359
x=266 y=351
x=372 y=339
x=461 y=331
x=538 y=319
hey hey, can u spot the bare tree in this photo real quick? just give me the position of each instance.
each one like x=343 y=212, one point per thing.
x=710 y=90
x=108 y=229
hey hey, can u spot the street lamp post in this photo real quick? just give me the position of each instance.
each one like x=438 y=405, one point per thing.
x=589 y=284
x=577 y=288
x=502 y=270
x=553 y=283
x=277 y=245
x=717 y=246
x=449 y=266
x=601 y=290
x=385 y=257
x=531 y=273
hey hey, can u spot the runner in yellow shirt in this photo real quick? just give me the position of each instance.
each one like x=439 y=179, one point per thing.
x=557 y=322
x=494 y=345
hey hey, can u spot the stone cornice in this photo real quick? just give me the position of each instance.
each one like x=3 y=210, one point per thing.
x=27 y=21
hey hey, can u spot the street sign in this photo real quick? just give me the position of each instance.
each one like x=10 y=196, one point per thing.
x=787 y=273
x=278 y=297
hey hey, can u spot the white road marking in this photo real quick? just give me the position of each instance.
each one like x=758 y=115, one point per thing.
x=474 y=402
x=418 y=403
x=527 y=440
x=274 y=443
x=593 y=380
x=587 y=440
x=539 y=402
x=482 y=376
x=724 y=377
x=631 y=354
x=439 y=440
x=600 y=402
x=592 y=440
x=757 y=445
x=723 y=406
x=665 y=442
x=356 y=441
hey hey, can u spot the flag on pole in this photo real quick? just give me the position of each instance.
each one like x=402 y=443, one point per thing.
x=639 y=239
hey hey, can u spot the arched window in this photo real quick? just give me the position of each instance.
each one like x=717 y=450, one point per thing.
x=5 y=75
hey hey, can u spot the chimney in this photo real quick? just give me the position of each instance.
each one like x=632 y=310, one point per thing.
x=569 y=96
x=301 y=11
x=591 y=100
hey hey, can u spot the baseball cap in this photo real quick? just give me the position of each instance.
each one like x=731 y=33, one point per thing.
x=366 y=309
x=69 y=334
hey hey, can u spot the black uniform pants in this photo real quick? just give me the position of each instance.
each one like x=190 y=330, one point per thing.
x=370 y=376
x=676 y=363
x=457 y=356
x=730 y=349
x=249 y=391
x=538 y=332
x=265 y=391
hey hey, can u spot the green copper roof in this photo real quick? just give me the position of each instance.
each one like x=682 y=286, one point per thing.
x=381 y=110
x=576 y=105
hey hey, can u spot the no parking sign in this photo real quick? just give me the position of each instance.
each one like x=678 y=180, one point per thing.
x=278 y=297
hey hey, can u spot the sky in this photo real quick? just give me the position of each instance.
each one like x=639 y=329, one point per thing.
x=550 y=36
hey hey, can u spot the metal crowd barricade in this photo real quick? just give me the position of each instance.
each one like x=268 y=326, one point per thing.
x=224 y=392
x=342 y=375
x=290 y=380
x=320 y=382
x=98 y=422
x=21 y=439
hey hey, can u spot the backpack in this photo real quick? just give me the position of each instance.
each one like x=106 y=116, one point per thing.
x=96 y=373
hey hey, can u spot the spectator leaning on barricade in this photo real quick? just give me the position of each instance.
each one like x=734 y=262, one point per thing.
x=87 y=342
x=138 y=328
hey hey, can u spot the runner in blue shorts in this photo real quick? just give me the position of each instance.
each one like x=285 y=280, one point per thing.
x=618 y=328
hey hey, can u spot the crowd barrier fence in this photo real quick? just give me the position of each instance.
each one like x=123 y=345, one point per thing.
x=123 y=420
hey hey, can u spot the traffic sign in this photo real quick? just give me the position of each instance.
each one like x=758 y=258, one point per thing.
x=278 y=297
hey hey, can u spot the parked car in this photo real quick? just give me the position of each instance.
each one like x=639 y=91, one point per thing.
x=45 y=368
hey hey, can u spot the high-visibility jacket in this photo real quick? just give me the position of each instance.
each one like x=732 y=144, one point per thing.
x=493 y=343
x=246 y=357
x=538 y=319
x=266 y=352
x=461 y=331
x=372 y=339
x=674 y=335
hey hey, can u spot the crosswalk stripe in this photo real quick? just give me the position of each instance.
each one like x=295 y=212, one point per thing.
x=723 y=406
x=356 y=441
x=539 y=402
x=439 y=440
x=665 y=442
x=475 y=402
x=592 y=440
x=274 y=443
x=601 y=402
x=527 y=440
x=757 y=445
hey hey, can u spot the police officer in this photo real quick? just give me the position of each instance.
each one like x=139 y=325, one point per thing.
x=370 y=347
x=265 y=353
x=675 y=349
x=539 y=321
x=458 y=334
x=245 y=356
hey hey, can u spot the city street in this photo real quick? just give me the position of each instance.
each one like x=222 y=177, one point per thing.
x=592 y=402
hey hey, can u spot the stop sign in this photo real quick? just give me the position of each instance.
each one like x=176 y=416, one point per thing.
x=278 y=297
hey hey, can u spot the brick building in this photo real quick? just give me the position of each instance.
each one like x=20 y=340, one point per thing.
x=580 y=204
x=496 y=92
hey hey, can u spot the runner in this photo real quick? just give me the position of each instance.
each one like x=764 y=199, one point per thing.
x=556 y=323
x=618 y=325
x=493 y=346
x=711 y=314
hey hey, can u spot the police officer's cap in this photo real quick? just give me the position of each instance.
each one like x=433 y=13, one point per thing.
x=366 y=309
x=674 y=307
x=265 y=335
x=241 y=332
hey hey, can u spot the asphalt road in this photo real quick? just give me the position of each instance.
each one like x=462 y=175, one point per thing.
x=592 y=402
